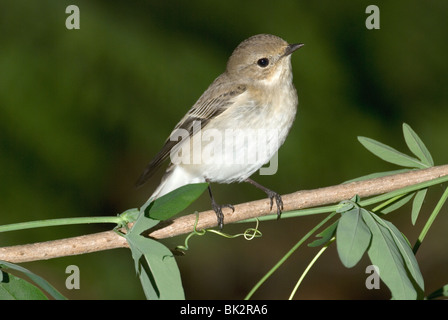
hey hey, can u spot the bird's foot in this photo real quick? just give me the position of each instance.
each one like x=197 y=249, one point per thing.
x=219 y=214
x=272 y=195
x=278 y=201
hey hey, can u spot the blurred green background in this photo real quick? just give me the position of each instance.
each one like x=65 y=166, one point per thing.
x=83 y=111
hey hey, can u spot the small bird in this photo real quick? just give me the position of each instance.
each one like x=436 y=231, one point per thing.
x=254 y=99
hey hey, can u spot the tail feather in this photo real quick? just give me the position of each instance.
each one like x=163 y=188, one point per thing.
x=173 y=179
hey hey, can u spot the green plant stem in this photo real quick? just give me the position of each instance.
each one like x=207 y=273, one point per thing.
x=288 y=254
x=59 y=222
x=431 y=219
x=321 y=251
x=293 y=214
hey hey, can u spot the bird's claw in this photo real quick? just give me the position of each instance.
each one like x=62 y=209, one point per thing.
x=219 y=214
x=278 y=201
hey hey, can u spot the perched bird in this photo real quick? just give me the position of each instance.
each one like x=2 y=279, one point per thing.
x=254 y=99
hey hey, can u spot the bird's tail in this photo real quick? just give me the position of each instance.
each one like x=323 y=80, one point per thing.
x=174 y=178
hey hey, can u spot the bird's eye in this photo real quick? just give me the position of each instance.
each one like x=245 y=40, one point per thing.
x=263 y=62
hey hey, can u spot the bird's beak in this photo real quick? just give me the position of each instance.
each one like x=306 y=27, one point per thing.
x=292 y=47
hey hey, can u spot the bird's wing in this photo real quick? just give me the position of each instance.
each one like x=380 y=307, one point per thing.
x=212 y=103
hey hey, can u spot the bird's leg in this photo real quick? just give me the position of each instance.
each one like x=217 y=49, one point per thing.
x=271 y=194
x=218 y=209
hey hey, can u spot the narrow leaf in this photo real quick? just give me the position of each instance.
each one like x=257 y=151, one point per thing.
x=416 y=145
x=174 y=202
x=406 y=252
x=142 y=269
x=325 y=235
x=158 y=269
x=389 y=154
x=41 y=282
x=397 y=204
x=384 y=253
x=142 y=223
x=352 y=237
x=15 y=288
x=417 y=204
x=430 y=220
x=154 y=263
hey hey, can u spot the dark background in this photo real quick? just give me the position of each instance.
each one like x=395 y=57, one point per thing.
x=83 y=111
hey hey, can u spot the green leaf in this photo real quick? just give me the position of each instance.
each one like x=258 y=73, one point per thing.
x=406 y=252
x=385 y=254
x=174 y=202
x=14 y=288
x=352 y=237
x=325 y=235
x=157 y=269
x=41 y=282
x=430 y=220
x=416 y=145
x=142 y=223
x=154 y=263
x=389 y=154
x=417 y=204
x=397 y=204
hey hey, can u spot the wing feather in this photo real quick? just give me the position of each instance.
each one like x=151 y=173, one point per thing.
x=215 y=100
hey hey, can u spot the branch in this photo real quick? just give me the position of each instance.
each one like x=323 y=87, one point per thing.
x=207 y=219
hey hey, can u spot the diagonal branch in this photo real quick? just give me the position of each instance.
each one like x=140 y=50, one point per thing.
x=207 y=219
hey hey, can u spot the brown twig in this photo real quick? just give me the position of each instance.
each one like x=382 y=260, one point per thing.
x=207 y=219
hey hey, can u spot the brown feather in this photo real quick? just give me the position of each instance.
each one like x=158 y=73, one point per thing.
x=203 y=110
